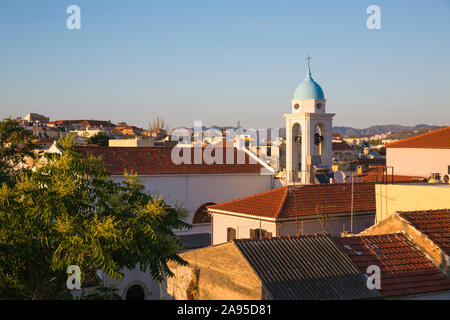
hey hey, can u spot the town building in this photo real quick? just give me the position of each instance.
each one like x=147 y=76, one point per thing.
x=318 y=267
x=295 y=210
x=135 y=142
x=422 y=155
x=35 y=118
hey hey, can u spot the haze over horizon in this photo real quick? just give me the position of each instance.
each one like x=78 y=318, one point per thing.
x=223 y=62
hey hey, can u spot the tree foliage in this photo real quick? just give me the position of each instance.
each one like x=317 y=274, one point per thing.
x=16 y=144
x=100 y=139
x=69 y=212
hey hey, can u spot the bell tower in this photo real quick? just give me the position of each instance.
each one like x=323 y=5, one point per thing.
x=309 y=131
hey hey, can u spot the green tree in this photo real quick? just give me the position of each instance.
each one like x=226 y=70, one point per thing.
x=68 y=212
x=16 y=144
x=100 y=139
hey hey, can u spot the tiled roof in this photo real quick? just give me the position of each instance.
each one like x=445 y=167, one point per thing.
x=94 y=123
x=342 y=146
x=371 y=162
x=304 y=200
x=158 y=160
x=435 y=224
x=305 y=268
x=379 y=178
x=378 y=174
x=437 y=139
x=405 y=270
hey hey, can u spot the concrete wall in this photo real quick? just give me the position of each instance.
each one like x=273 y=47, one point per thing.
x=192 y=191
x=391 y=198
x=418 y=162
x=136 y=277
x=214 y=273
x=131 y=143
x=242 y=225
x=333 y=226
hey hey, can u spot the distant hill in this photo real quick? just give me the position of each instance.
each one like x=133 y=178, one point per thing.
x=399 y=131
x=379 y=129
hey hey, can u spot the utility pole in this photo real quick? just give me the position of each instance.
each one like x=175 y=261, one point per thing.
x=351 y=209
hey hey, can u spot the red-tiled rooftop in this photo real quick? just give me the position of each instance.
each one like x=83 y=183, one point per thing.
x=286 y=202
x=341 y=146
x=93 y=123
x=380 y=174
x=158 y=160
x=405 y=270
x=437 y=139
x=435 y=224
x=371 y=161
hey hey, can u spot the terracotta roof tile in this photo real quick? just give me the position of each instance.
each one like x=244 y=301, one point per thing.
x=341 y=146
x=437 y=139
x=304 y=200
x=158 y=160
x=435 y=224
x=378 y=174
x=405 y=270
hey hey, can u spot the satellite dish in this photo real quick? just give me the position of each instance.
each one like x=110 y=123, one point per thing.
x=339 y=176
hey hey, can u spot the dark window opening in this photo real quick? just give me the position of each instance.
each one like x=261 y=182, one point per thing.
x=231 y=234
x=135 y=292
x=259 y=234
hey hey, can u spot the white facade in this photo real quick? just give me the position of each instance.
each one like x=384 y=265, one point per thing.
x=418 y=161
x=333 y=224
x=193 y=191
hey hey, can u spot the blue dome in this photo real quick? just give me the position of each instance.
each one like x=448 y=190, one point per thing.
x=309 y=89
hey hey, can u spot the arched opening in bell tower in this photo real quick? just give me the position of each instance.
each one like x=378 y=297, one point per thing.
x=296 y=143
x=319 y=141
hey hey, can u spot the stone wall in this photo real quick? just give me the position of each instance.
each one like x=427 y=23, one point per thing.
x=214 y=273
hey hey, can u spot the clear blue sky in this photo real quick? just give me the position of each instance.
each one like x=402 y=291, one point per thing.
x=224 y=61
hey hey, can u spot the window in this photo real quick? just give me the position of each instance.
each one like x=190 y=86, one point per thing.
x=231 y=234
x=259 y=234
x=296 y=106
x=135 y=292
x=448 y=169
x=319 y=106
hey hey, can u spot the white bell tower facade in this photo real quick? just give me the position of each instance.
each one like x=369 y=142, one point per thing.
x=309 y=130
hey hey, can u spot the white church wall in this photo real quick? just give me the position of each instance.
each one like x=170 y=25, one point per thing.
x=192 y=191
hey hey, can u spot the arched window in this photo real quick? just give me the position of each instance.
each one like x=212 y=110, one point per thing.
x=201 y=215
x=135 y=292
